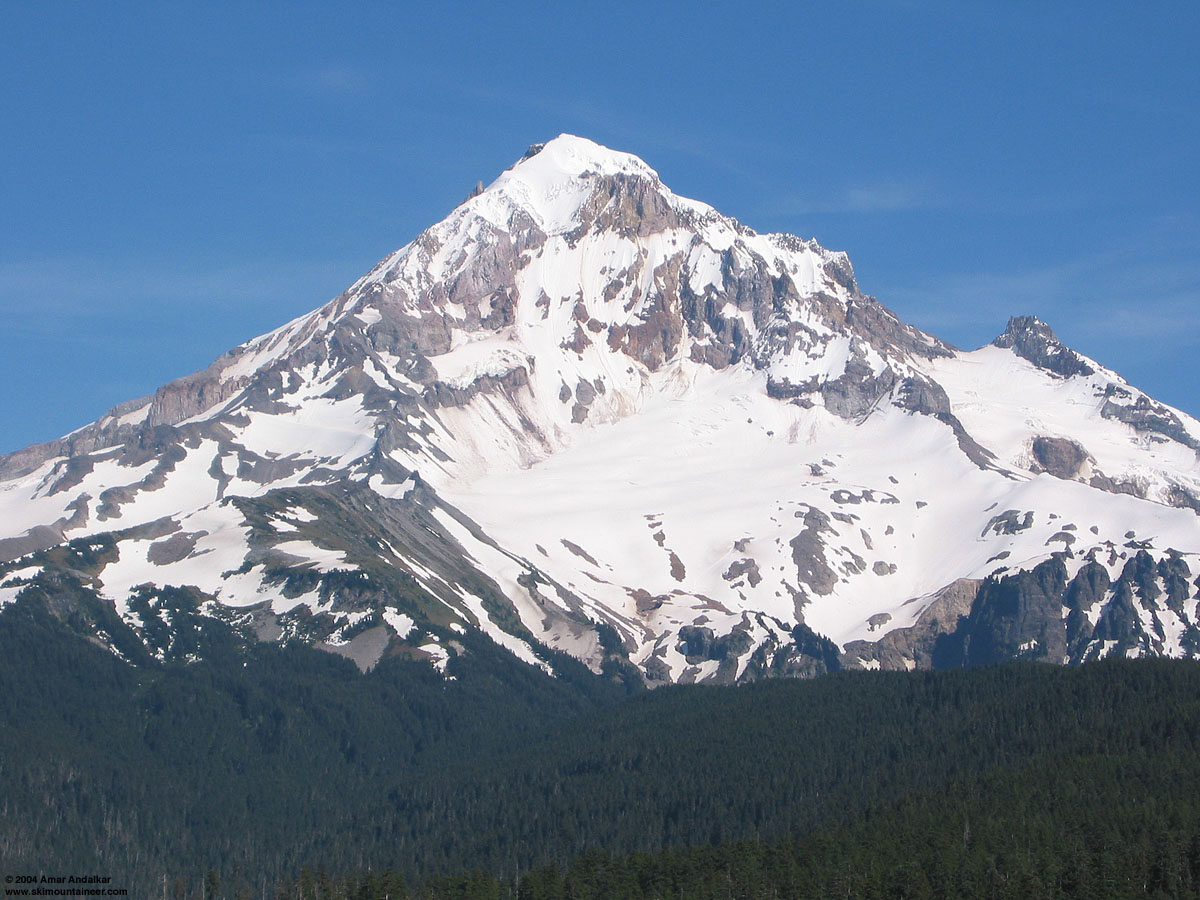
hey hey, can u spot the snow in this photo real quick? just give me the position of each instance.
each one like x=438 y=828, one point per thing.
x=401 y=624
x=439 y=655
x=336 y=431
x=281 y=604
x=505 y=571
x=704 y=264
x=28 y=501
x=348 y=621
x=132 y=417
x=368 y=315
x=551 y=185
x=221 y=549
x=514 y=645
x=320 y=558
x=392 y=367
x=187 y=487
x=21 y=573
x=681 y=464
x=392 y=491
x=1005 y=401
x=475 y=356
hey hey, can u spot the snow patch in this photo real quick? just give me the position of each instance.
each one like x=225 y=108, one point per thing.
x=401 y=624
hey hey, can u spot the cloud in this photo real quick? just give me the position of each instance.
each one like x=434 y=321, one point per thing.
x=341 y=80
x=334 y=80
x=912 y=193
x=38 y=296
x=883 y=197
x=1119 y=295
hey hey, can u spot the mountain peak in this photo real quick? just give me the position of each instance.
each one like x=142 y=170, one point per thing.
x=572 y=156
x=1032 y=339
x=1022 y=326
x=554 y=179
x=647 y=436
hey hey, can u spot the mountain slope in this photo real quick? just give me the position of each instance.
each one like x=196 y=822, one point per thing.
x=584 y=413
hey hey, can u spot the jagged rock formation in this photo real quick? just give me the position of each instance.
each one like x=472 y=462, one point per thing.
x=585 y=414
x=1034 y=340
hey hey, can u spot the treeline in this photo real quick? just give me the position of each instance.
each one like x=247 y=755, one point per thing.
x=276 y=768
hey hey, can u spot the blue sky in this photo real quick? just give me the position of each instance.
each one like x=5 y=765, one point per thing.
x=178 y=178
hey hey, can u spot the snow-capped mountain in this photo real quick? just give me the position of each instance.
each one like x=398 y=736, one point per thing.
x=584 y=413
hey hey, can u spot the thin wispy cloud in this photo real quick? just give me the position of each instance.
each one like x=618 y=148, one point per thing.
x=1172 y=320
x=883 y=197
x=915 y=192
x=328 y=81
x=1117 y=295
x=341 y=80
x=34 y=295
x=333 y=145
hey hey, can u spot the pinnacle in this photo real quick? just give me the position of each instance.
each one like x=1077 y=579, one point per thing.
x=1027 y=325
x=1031 y=338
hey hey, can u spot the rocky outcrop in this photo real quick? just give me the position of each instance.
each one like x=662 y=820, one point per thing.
x=805 y=655
x=1034 y=340
x=916 y=646
x=40 y=537
x=857 y=391
x=1016 y=616
x=181 y=399
x=1145 y=416
x=871 y=321
x=625 y=204
x=1040 y=614
x=1061 y=457
x=808 y=554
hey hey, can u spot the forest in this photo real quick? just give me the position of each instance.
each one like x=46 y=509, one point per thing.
x=267 y=771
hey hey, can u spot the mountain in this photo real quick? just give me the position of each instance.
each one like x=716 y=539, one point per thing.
x=585 y=415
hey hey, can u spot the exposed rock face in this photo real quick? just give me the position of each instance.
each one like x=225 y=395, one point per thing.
x=747 y=568
x=1017 y=616
x=1008 y=522
x=917 y=646
x=39 y=537
x=628 y=205
x=1034 y=340
x=1061 y=457
x=1146 y=416
x=801 y=654
x=1183 y=498
x=1040 y=614
x=808 y=553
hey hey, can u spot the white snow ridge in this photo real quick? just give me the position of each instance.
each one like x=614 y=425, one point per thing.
x=584 y=414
